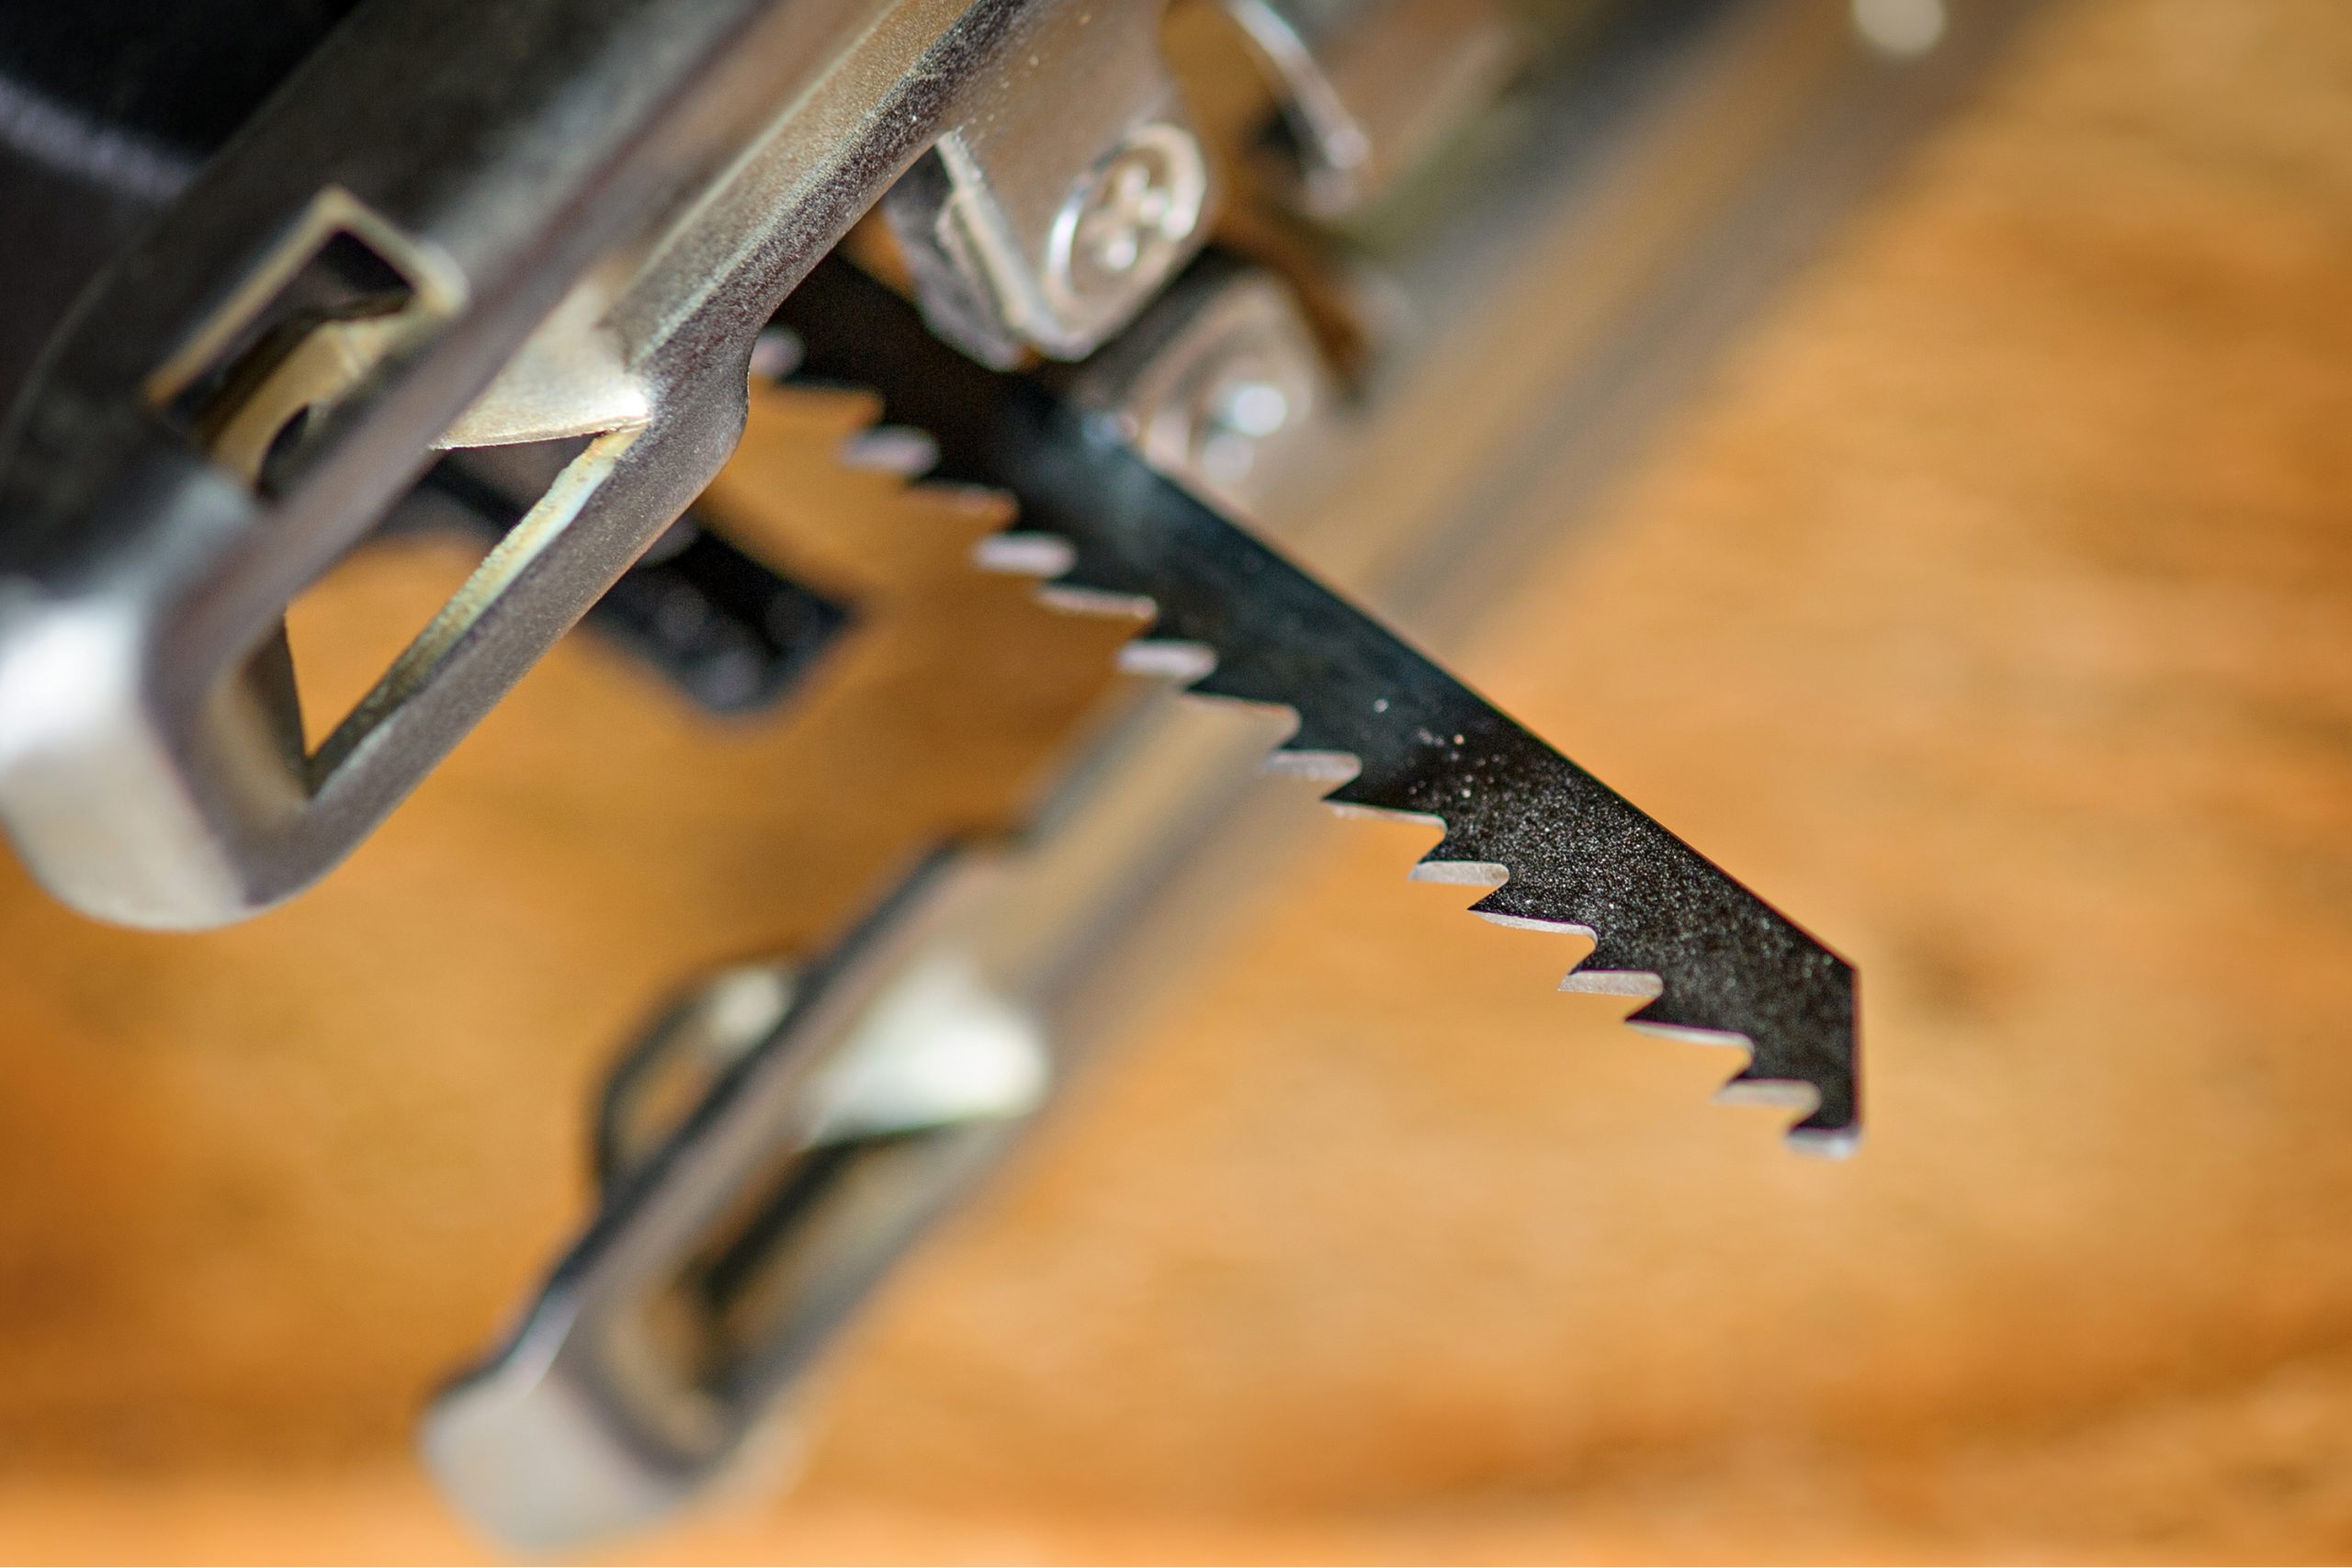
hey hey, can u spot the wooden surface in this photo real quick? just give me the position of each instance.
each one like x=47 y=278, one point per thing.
x=1993 y=611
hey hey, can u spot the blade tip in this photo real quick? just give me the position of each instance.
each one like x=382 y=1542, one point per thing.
x=1839 y=1143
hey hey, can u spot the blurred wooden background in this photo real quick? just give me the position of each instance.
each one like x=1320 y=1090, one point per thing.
x=1993 y=611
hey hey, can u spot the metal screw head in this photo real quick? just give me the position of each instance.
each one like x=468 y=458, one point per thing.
x=1125 y=222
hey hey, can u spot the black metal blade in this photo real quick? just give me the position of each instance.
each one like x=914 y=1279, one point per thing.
x=1714 y=961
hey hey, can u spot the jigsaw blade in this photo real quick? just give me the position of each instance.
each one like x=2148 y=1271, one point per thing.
x=1557 y=849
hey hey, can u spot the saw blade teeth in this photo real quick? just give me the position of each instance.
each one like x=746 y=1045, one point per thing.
x=1507 y=899
x=1530 y=924
x=1667 y=1017
x=1692 y=1035
x=1382 y=789
x=1325 y=739
x=1610 y=950
x=897 y=449
x=1014 y=553
x=1461 y=872
x=1181 y=661
x=1482 y=867
x=1095 y=601
x=1774 y=1094
x=1637 y=983
x=1323 y=767
x=1381 y=813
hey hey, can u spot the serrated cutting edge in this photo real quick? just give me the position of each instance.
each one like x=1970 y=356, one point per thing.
x=1227 y=617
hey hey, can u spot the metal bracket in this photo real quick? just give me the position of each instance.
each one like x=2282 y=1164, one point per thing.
x=1070 y=187
x=767 y=1151
x=578 y=231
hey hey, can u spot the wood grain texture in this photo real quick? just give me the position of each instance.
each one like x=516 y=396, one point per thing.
x=1993 y=611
